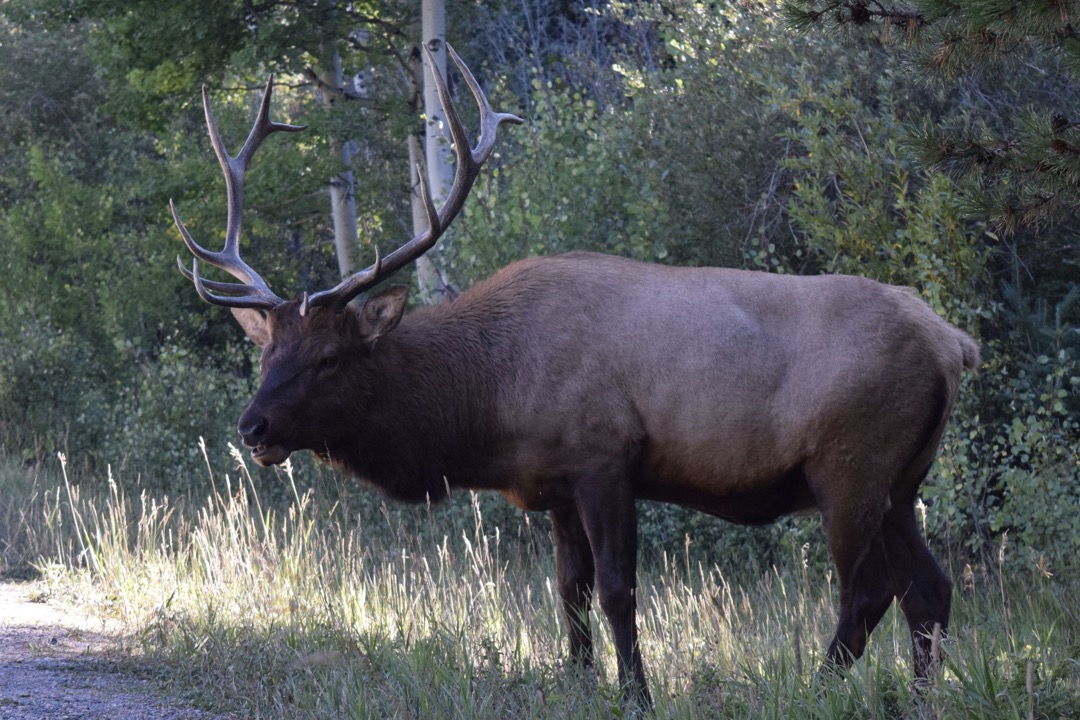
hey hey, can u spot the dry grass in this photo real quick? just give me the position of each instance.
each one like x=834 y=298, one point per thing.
x=327 y=607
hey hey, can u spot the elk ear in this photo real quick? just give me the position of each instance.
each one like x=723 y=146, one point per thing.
x=254 y=324
x=381 y=313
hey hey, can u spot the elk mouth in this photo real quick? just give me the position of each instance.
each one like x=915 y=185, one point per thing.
x=267 y=455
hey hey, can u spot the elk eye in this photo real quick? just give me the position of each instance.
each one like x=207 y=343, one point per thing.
x=328 y=362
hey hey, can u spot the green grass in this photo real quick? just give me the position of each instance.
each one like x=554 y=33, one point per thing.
x=334 y=605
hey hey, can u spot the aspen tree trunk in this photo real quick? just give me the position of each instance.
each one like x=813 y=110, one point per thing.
x=342 y=185
x=431 y=281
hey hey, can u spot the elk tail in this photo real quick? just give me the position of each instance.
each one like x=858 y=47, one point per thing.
x=970 y=350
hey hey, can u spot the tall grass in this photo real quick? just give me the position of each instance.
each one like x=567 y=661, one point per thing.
x=333 y=605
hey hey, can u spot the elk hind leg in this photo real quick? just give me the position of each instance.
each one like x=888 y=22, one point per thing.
x=853 y=528
x=866 y=592
x=924 y=589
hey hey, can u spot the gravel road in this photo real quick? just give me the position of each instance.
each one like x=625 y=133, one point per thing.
x=55 y=664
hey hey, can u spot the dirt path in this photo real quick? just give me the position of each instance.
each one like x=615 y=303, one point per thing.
x=55 y=665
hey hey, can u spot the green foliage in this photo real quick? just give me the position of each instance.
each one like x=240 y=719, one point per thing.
x=154 y=56
x=171 y=405
x=1014 y=148
x=92 y=310
x=86 y=357
x=959 y=37
x=577 y=181
x=702 y=116
x=44 y=406
x=857 y=205
x=1011 y=462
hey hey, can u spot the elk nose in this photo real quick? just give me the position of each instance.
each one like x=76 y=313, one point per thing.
x=252 y=429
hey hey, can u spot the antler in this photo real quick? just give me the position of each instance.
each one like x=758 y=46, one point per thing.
x=469 y=161
x=252 y=291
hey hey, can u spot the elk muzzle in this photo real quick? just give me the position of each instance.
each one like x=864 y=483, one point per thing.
x=254 y=428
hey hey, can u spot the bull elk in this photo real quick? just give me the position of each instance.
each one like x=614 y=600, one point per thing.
x=581 y=383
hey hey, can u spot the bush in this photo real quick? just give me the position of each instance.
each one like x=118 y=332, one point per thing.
x=1011 y=461
x=170 y=406
x=45 y=407
x=577 y=181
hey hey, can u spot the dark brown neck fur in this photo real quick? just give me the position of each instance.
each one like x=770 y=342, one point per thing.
x=429 y=415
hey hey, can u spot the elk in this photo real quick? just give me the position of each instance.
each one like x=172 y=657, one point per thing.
x=578 y=384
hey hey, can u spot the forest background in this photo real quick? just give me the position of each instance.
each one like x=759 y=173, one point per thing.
x=921 y=146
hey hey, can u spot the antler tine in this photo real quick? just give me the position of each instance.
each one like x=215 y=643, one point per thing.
x=356 y=283
x=258 y=294
x=489 y=119
x=469 y=162
x=434 y=221
x=252 y=291
x=204 y=288
x=264 y=126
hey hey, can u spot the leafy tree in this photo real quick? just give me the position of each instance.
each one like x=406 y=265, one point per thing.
x=89 y=294
x=350 y=55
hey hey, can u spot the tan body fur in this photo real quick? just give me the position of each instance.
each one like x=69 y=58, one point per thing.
x=729 y=380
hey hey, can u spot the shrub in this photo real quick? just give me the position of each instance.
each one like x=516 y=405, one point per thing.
x=44 y=406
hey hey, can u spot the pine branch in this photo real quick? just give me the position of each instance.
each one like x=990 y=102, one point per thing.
x=1027 y=173
x=964 y=36
x=805 y=14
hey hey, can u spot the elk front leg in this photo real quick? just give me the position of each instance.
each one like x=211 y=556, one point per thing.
x=609 y=516
x=574 y=571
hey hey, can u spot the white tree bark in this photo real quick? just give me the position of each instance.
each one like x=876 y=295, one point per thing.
x=342 y=185
x=431 y=280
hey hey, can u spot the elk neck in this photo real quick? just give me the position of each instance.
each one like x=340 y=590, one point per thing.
x=428 y=422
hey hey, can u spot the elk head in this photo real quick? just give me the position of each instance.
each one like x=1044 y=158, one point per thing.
x=316 y=360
